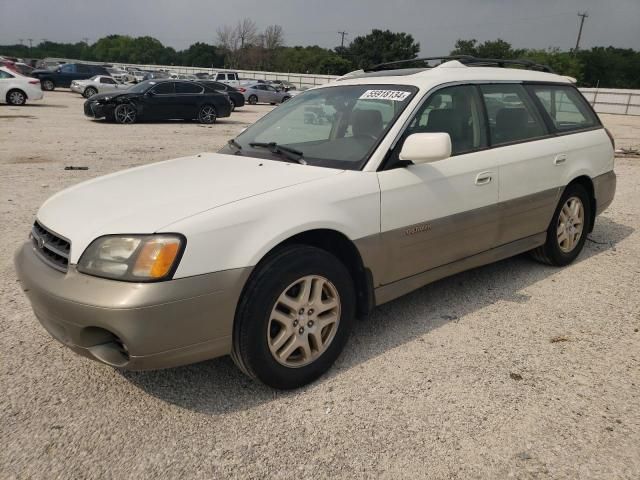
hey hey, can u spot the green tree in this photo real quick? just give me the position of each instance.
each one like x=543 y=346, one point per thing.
x=382 y=46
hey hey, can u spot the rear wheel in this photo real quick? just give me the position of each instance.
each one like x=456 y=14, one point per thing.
x=253 y=100
x=125 y=113
x=568 y=229
x=48 y=85
x=294 y=317
x=207 y=114
x=89 y=92
x=233 y=104
x=16 y=97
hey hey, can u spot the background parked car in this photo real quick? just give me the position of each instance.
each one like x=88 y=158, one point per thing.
x=235 y=96
x=16 y=89
x=159 y=75
x=264 y=93
x=62 y=76
x=21 y=68
x=98 y=84
x=160 y=100
x=120 y=75
x=282 y=84
x=229 y=78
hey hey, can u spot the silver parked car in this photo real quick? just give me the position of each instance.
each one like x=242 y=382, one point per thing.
x=264 y=93
x=97 y=84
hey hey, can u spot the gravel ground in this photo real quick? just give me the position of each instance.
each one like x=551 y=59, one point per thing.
x=514 y=370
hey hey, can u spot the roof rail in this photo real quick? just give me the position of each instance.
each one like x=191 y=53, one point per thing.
x=466 y=60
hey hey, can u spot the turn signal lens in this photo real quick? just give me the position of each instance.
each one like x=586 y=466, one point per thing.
x=156 y=257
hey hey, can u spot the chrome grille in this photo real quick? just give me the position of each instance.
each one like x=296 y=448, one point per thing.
x=50 y=247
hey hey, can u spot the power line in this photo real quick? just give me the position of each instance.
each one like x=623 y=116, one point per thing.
x=582 y=16
x=342 y=34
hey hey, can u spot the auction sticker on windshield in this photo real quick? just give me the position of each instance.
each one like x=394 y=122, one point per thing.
x=396 y=95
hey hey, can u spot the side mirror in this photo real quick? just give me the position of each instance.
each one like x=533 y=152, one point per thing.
x=150 y=93
x=426 y=147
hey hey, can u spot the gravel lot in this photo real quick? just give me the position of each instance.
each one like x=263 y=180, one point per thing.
x=511 y=370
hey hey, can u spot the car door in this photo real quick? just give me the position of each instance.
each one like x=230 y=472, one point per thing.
x=188 y=99
x=530 y=161
x=66 y=74
x=159 y=102
x=5 y=79
x=271 y=94
x=107 y=84
x=436 y=213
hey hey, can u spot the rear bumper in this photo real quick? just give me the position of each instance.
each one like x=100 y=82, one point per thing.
x=136 y=326
x=604 y=189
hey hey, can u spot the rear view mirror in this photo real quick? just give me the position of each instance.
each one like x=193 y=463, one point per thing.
x=426 y=147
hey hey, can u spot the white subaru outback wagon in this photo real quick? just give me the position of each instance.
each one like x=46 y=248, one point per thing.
x=346 y=197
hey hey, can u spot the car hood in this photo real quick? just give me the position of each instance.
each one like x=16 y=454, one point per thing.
x=148 y=198
x=105 y=97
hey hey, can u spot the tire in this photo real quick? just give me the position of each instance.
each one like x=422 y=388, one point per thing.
x=125 y=113
x=261 y=316
x=48 y=85
x=16 y=97
x=207 y=114
x=233 y=104
x=285 y=99
x=568 y=230
x=253 y=100
x=89 y=92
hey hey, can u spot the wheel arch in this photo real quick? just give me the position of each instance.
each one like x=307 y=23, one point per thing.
x=345 y=250
x=587 y=183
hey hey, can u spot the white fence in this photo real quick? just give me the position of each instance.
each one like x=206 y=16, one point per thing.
x=610 y=100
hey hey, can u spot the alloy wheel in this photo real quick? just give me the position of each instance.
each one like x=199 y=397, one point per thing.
x=304 y=321
x=17 y=98
x=570 y=224
x=125 y=114
x=207 y=114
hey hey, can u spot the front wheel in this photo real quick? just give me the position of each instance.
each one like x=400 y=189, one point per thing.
x=207 y=114
x=48 y=85
x=89 y=92
x=294 y=317
x=125 y=113
x=568 y=229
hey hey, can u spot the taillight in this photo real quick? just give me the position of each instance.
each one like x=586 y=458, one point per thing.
x=34 y=82
x=242 y=90
x=613 y=140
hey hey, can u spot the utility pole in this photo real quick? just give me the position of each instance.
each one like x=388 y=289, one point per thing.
x=30 y=40
x=21 y=40
x=86 y=40
x=342 y=34
x=582 y=16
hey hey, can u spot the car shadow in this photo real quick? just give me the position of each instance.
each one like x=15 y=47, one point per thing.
x=217 y=386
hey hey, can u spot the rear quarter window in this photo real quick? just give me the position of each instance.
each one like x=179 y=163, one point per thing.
x=565 y=106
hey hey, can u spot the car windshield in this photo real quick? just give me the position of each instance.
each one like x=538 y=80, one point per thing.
x=336 y=127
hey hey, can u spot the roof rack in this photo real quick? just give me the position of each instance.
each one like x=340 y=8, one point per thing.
x=466 y=60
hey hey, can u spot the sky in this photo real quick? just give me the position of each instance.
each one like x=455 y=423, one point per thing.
x=434 y=24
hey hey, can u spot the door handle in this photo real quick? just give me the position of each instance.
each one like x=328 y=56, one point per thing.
x=560 y=159
x=484 y=178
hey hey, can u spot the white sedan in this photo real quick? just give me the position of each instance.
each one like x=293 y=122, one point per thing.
x=15 y=89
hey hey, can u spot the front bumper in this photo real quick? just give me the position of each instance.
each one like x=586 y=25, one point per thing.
x=136 y=326
x=94 y=109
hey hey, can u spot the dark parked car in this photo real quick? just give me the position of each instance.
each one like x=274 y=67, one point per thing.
x=235 y=97
x=62 y=76
x=160 y=100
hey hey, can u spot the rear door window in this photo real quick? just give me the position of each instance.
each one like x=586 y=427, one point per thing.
x=566 y=107
x=512 y=114
x=108 y=80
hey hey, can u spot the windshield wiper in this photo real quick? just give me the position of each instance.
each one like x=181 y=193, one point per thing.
x=287 y=152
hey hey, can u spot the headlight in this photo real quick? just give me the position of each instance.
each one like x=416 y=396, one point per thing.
x=133 y=258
